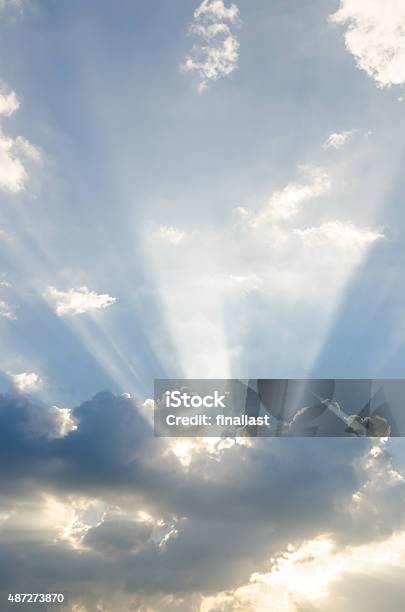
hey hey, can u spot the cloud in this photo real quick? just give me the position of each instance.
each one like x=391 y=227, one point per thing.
x=337 y=140
x=63 y=421
x=316 y=575
x=6 y=312
x=375 y=36
x=9 y=103
x=244 y=282
x=118 y=535
x=28 y=149
x=290 y=268
x=171 y=234
x=110 y=514
x=340 y=235
x=216 y=10
x=13 y=175
x=11 y=3
x=78 y=301
x=286 y=204
x=216 y=52
x=26 y=382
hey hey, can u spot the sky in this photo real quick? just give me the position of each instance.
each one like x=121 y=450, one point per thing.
x=197 y=190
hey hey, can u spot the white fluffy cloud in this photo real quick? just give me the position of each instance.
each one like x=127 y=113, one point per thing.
x=216 y=53
x=338 y=234
x=26 y=381
x=78 y=301
x=9 y=103
x=13 y=175
x=285 y=204
x=337 y=140
x=375 y=35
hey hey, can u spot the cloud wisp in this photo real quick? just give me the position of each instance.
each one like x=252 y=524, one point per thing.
x=6 y=311
x=337 y=140
x=339 y=234
x=171 y=234
x=287 y=203
x=215 y=53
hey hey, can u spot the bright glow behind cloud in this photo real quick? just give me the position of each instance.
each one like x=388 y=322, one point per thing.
x=306 y=576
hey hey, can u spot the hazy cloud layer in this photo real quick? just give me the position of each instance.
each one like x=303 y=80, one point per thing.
x=273 y=254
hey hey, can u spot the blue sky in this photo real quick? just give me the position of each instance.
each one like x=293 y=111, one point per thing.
x=197 y=190
x=128 y=145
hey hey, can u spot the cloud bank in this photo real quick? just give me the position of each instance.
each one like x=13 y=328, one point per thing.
x=114 y=517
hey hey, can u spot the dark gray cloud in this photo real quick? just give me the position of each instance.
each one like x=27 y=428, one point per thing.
x=118 y=536
x=212 y=524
